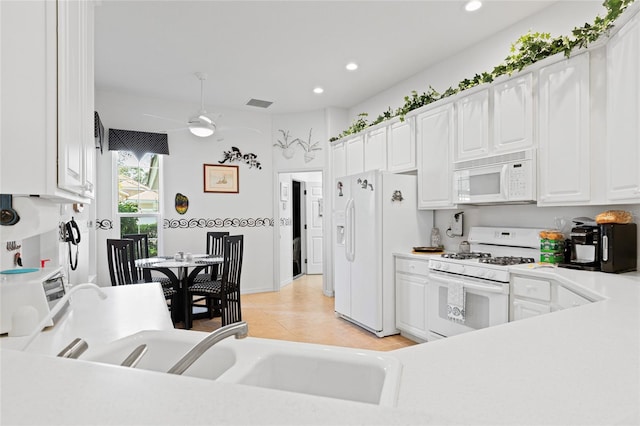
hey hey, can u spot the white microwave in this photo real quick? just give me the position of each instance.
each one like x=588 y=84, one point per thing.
x=506 y=178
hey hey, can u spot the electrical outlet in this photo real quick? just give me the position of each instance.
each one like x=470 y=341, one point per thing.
x=456 y=225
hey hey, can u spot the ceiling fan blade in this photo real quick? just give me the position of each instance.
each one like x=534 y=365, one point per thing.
x=179 y=129
x=226 y=129
x=164 y=118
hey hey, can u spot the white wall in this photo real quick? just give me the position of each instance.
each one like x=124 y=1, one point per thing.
x=183 y=172
x=558 y=19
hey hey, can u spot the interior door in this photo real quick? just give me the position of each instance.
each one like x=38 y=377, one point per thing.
x=314 y=210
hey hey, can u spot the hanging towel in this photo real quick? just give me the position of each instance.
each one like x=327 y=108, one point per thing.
x=455 y=301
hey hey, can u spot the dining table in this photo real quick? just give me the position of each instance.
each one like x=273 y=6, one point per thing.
x=186 y=269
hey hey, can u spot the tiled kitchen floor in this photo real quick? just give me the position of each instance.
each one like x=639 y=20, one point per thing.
x=301 y=313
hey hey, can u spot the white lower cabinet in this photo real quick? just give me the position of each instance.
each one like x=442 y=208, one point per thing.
x=526 y=309
x=412 y=277
x=535 y=296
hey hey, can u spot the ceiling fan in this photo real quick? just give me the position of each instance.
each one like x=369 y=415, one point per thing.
x=199 y=124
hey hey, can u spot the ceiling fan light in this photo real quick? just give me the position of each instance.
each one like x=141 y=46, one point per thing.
x=202 y=129
x=205 y=119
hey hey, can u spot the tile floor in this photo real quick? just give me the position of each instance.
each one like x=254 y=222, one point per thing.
x=300 y=312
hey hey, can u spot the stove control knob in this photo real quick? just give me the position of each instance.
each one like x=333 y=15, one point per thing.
x=436 y=265
x=481 y=273
x=445 y=266
x=490 y=274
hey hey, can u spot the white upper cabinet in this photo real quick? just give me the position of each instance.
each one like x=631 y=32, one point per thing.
x=47 y=99
x=76 y=147
x=354 y=148
x=513 y=114
x=375 y=149
x=401 y=146
x=622 y=162
x=473 y=125
x=338 y=159
x=435 y=131
x=564 y=136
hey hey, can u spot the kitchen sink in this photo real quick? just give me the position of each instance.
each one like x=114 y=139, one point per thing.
x=320 y=370
x=164 y=349
x=351 y=376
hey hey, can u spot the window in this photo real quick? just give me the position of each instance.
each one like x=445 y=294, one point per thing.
x=139 y=196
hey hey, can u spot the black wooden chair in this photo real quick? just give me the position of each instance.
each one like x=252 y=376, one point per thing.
x=211 y=273
x=121 y=255
x=214 y=248
x=224 y=293
x=141 y=251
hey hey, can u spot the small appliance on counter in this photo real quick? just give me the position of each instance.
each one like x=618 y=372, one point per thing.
x=619 y=247
x=584 y=245
x=41 y=291
x=608 y=244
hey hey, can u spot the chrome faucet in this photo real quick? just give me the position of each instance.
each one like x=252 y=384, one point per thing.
x=58 y=307
x=238 y=329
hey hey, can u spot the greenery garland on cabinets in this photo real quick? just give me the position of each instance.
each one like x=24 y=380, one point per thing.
x=527 y=50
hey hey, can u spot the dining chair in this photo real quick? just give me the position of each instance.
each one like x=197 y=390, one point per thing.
x=211 y=273
x=141 y=251
x=121 y=258
x=214 y=248
x=224 y=293
x=122 y=269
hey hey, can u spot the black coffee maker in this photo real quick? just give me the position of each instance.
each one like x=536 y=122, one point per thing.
x=583 y=247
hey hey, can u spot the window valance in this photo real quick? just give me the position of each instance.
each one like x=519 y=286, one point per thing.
x=139 y=143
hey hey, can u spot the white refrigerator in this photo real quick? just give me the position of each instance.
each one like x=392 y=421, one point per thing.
x=375 y=215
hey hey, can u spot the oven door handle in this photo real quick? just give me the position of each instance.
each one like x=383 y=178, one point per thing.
x=470 y=285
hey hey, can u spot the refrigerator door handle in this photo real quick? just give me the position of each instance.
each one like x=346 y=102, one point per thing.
x=349 y=230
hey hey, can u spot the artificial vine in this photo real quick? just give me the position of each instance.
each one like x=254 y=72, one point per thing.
x=527 y=50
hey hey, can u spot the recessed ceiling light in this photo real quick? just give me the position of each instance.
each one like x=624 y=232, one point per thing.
x=318 y=90
x=473 y=5
x=352 y=66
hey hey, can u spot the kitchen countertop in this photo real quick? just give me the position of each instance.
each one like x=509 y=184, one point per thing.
x=576 y=366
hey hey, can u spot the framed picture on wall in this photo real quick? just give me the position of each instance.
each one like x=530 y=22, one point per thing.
x=284 y=191
x=221 y=178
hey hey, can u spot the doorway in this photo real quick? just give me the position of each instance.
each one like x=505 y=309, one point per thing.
x=297 y=223
x=300 y=248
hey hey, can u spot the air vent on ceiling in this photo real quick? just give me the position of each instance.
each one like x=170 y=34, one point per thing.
x=259 y=103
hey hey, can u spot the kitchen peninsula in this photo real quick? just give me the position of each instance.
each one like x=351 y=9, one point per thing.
x=576 y=366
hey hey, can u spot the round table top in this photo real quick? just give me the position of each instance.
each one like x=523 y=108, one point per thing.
x=170 y=262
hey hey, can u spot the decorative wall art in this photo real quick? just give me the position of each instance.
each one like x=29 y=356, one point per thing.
x=182 y=203
x=228 y=222
x=288 y=150
x=104 y=224
x=221 y=178
x=309 y=147
x=235 y=155
x=288 y=146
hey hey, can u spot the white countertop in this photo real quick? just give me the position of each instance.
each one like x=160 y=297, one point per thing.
x=576 y=366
